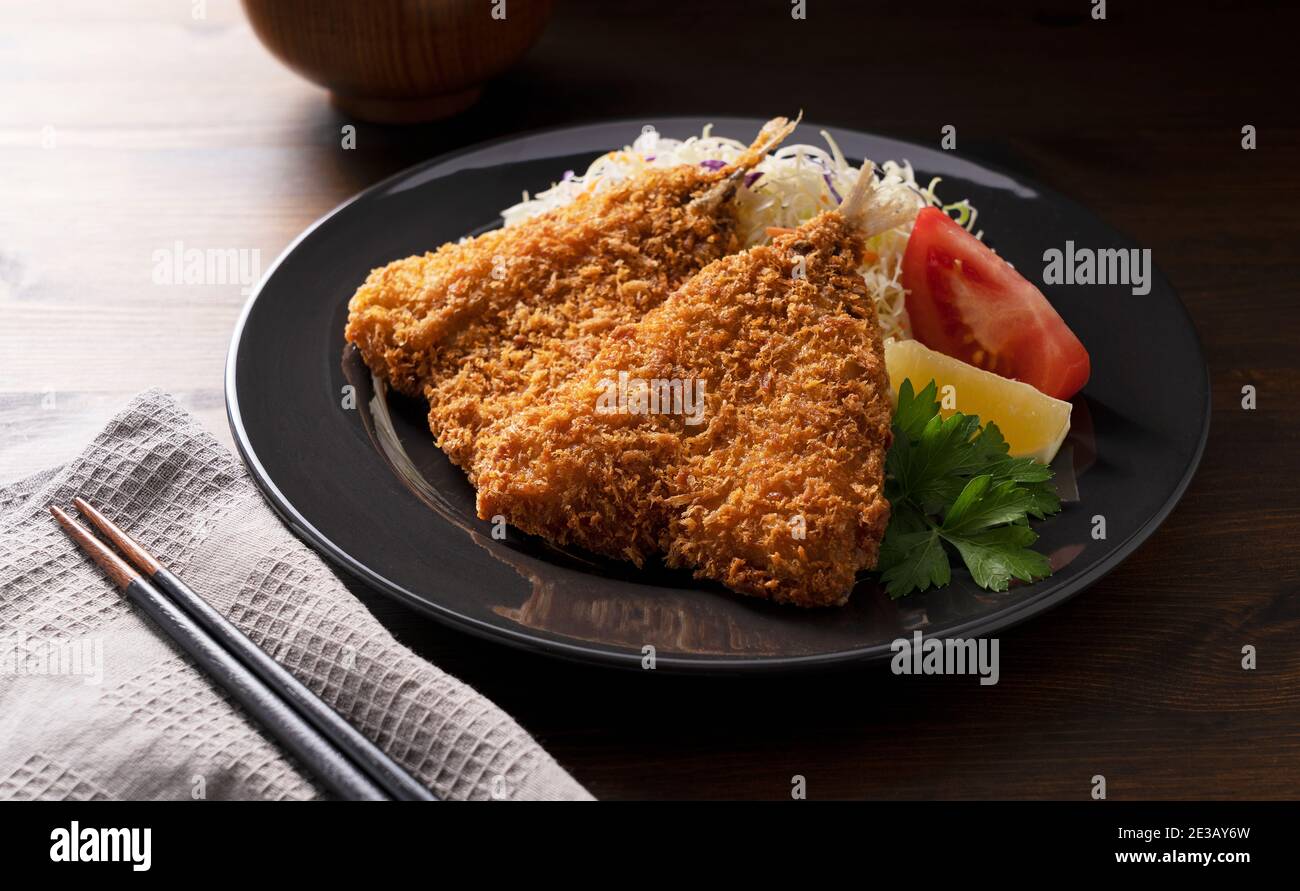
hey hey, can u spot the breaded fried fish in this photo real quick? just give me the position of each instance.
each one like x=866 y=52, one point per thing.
x=777 y=491
x=490 y=326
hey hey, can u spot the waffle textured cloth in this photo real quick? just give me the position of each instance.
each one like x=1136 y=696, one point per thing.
x=96 y=703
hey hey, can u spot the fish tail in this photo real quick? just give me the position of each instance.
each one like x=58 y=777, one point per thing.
x=870 y=210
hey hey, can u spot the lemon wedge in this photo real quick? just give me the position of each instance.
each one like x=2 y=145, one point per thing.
x=1034 y=424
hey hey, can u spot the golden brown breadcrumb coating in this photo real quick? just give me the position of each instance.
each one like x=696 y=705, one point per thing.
x=489 y=326
x=778 y=492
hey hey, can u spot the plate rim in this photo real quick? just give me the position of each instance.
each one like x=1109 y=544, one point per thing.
x=1013 y=616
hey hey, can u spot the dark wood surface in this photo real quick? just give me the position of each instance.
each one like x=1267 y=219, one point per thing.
x=168 y=128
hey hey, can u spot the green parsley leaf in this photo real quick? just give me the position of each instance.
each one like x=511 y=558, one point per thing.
x=982 y=505
x=914 y=411
x=916 y=560
x=953 y=486
x=995 y=556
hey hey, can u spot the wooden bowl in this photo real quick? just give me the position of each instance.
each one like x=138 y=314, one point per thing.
x=399 y=61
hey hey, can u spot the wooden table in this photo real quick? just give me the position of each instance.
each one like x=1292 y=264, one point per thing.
x=127 y=127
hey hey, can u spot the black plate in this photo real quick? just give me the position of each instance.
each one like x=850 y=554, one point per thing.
x=367 y=488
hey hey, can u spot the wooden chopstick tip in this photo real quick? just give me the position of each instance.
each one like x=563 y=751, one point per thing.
x=64 y=520
x=135 y=553
x=114 y=566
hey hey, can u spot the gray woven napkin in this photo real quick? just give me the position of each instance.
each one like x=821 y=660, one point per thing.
x=95 y=703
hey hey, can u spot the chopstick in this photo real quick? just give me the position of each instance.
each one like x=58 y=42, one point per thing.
x=344 y=760
x=299 y=737
x=399 y=784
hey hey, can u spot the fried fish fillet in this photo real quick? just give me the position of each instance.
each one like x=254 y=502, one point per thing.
x=487 y=327
x=778 y=493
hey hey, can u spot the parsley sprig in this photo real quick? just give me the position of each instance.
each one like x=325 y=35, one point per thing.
x=952 y=487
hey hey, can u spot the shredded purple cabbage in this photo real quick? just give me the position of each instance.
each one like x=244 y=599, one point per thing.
x=751 y=178
x=713 y=164
x=829 y=185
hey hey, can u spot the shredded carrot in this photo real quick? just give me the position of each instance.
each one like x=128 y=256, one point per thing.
x=870 y=257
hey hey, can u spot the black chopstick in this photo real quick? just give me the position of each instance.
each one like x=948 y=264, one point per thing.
x=399 y=784
x=336 y=772
x=284 y=717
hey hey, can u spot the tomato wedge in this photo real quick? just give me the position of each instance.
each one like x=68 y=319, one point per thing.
x=967 y=302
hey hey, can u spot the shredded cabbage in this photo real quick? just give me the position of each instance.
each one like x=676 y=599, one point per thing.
x=788 y=187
